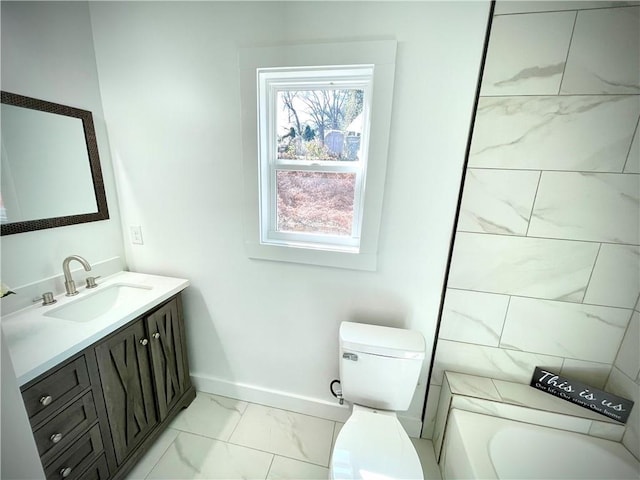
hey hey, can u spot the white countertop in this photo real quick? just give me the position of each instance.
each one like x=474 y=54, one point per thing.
x=37 y=342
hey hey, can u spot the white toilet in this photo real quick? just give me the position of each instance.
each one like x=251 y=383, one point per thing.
x=379 y=370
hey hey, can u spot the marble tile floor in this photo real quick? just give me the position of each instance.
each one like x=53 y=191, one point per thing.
x=222 y=438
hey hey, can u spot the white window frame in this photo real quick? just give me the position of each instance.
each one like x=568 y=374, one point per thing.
x=271 y=81
x=261 y=240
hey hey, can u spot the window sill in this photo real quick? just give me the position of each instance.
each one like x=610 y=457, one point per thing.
x=312 y=256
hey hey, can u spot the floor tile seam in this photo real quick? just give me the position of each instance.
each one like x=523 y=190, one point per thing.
x=279 y=454
x=201 y=434
x=235 y=427
x=229 y=442
x=329 y=421
x=222 y=441
x=273 y=457
x=242 y=416
x=195 y=431
x=301 y=461
x=166 y=449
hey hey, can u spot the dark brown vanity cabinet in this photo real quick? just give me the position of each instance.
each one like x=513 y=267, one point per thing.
x=168 y=356
x=125 y=375
x=144 y=375
x=95 y=415
x=62 y=411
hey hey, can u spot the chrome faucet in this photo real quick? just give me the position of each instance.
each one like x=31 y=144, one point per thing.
x=69 y=284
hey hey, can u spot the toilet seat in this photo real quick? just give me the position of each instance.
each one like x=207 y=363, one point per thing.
x=373 y=445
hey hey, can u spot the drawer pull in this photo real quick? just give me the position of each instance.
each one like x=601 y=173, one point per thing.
x=46 y=400
x=156 y=335
x=65 y=472
x=56 y=437
x=144 y=341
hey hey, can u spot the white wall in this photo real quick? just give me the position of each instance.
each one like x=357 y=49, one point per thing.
x=545 y=268
x=169 y=82
x=47 y=53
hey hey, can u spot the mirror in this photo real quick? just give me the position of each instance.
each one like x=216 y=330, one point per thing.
x=50 y=175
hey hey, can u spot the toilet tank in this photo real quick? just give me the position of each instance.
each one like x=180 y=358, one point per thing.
x=379 y=366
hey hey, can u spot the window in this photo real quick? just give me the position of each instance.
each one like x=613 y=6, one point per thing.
x=315 y=141
x=313 y=134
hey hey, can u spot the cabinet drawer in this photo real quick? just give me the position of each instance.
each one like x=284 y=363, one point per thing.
x=55 y=435
x=98 y=471
x=74 y=461
x=53 y=391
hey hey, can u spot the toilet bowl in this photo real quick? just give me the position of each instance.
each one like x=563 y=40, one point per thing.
x=373 y=445
x=379 y=370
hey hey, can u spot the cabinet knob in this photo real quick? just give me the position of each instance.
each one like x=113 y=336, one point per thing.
x=144 y=341
x=65 y=472
x=56 y=437
x=46 y=400
x=156 y=335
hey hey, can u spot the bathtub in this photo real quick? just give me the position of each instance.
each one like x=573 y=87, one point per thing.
x=481 y=446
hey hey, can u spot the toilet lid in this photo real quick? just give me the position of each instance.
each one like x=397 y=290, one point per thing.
x=374 y=446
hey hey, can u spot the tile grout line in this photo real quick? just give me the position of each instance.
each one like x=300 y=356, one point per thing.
x=235 y=444
x=238 y=422
x=504 y=321
x=161 y=455
x=593 y=268
x=273 y=457
x=248 y=405
x=270 y=453
x=280 y=454
x=553 y=95
x=555 y=170
x=566 y=59
x=554 y=238
x=528 y=352
x=533 y=204
x=606 y=7
x=635 y=133
x=506 y=294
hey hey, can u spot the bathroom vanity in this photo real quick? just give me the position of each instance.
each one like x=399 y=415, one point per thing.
x=99 y=390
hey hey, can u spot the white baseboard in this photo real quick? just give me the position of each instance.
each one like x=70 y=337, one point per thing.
x=287 y=401
x=271 y=398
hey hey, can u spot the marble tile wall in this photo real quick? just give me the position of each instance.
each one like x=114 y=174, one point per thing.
x=546 y=261
x=624 y=379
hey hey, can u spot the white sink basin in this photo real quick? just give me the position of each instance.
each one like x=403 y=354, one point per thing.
x=102 y=301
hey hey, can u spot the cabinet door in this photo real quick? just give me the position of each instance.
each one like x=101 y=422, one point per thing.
x=125 y=375
x=168 y=355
